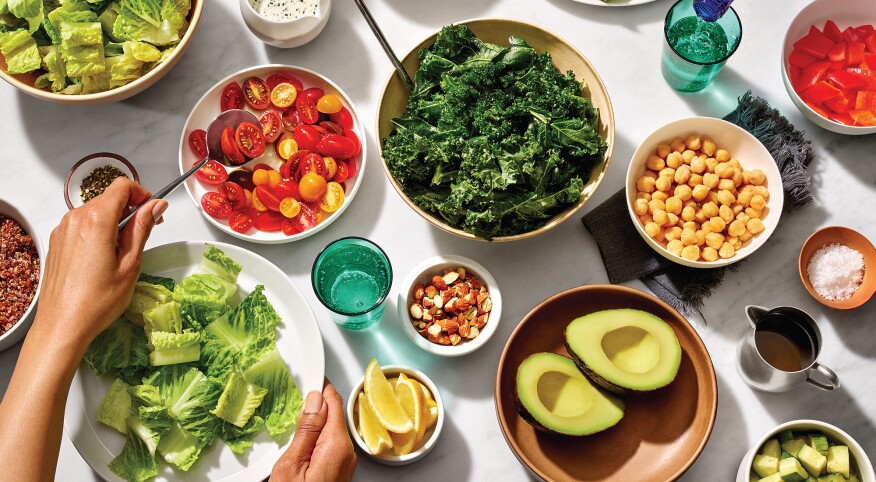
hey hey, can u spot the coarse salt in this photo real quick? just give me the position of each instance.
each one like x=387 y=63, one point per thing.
x=836 y=271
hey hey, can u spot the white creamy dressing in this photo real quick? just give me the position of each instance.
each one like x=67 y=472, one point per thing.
x=284 y=10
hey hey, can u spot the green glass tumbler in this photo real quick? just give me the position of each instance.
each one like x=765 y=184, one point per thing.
x=694 y=51
x=351 y=278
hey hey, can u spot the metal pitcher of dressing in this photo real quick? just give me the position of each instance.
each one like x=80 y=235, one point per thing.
x=780 y=350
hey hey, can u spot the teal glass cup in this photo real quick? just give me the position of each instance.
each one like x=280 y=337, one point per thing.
x=351 y=278
x=694 y=51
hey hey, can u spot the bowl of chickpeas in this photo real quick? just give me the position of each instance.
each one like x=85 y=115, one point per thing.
x=699 y=192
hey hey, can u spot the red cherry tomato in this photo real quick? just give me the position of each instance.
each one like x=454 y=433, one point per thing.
x=216 y=205
x=307 y=110
x=232 y=97
x=287 y=189
x=240 y=221
x=267 y=197
x=291 y=118
x=307 y=218
x=256 y=93
x=342 y=118
x=338 y=147
x=243 y=178
x=268 y=221
x=212 y=173
x=313 y=94
x=349 y=134
x=312 y=162
x=249 y=139
x=229 y=147
x=234 y=193
x=198 y=142
x=307 y=137
x=274 y=80
x=289 y=169
x=272 y=126
x=332 y=127
x=342 y=173
x=262 y=165
x=288 y=228
x=351 y=168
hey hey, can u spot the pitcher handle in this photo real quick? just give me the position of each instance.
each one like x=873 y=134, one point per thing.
x=829 y=374
x=754 y=313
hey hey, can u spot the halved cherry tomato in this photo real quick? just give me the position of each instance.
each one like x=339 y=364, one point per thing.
x=351 y=168
x=313 y=94
x=322 y=130
x=268 y=221
x=350 y=134
x=290 y=207
x=274 y=178
x=234 y=193
x=307 y=137
x=342 y=173
x=232 y=97
x=307 y=218
x=249 y=139
x=336 y=146
x=243 y=178
x=230 y=149
x=198 y=142
x=262 y=165
x=260 y=177
x=287 y=146
x=312 y=162
x=288 y=228
x=283 y=95
x=289 y=169
x=272 y=125
x=212 y=173
x=332 y=127
x=274 y=80
x=257 y=204
x=267 y=197
x=240 y=220
x=291 y=118
x=286 y=189
x=333 y=197
x=256 y=93
x=307 y=110
x=312 y=187
x=216 y=205
x=331 y=168
x=342 y=118
x=329 y=104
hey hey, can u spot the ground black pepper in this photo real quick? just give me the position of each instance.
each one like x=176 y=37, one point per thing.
x=96 y=183
x=19 y=272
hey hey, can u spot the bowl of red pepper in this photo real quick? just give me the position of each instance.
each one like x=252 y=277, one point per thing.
x=21 y=273
x=829 y=65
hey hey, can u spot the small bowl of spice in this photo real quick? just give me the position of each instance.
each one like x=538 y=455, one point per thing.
x=21 y=255
x=285 y=23
x=838 y=267
x=89 y=177
x=449 y=305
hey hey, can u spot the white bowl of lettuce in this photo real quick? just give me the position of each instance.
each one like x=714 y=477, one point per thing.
x=92 y=51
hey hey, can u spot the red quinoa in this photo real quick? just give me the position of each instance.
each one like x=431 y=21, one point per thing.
x=19 y=272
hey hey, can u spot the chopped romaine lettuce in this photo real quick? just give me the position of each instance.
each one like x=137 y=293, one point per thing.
x=164 y=317
x=30 y=10
x=168 y=283
x=239 y=400
x=115 y=407
x=179 y=447
x=56 y=75
x=120 y=350
x=136 y=462
x=189 y=396
x=215 y=262
x=173 y=348
x=20 y=51
x=108 y=18
x=202 y=299
x=146 y=296
x=281 y=405
x=141 y=20
x=240 y=438
x=82 y=48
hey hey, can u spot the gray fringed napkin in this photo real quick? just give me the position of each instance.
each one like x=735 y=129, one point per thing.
x=627 y=256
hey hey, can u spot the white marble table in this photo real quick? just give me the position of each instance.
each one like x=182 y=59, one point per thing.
x=41 y=141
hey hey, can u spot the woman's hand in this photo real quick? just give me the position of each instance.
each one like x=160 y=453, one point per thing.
x=321 y=449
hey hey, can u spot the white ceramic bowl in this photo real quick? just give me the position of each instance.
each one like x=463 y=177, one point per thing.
x=741 y=145
x=847 y=13
x=17 y=332
x=87 y=165
x=289 y=33
x=422 y=274
x=429 y=439
x=865 y=467
x=207 y=109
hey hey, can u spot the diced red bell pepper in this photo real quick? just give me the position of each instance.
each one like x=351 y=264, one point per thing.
x=801 y=59
x=846 y=80
x=844 y=119
x=850 y=35
x=837 y=53
x=868 y=76
x=794 y=76
x=815 y=44
x=812 y=74
x=855 y=54
x=837 y=65
x=863 y=117
x=820 y=92
x=870 y=42
x=819 y=110
x=869 y=62
x=866 y=99
x=832 y=32
x=864 y=31
x=839 y=104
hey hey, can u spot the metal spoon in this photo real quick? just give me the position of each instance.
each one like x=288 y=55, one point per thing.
x=383 y=43
x=230 y=118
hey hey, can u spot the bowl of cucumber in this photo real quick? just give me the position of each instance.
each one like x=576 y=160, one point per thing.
x=803 y=451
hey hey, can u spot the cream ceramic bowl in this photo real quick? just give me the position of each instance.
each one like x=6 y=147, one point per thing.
x=24 y=82
x=429 y=439
x=741 y=145
x=17 y=332
x=85 y=166
x=288 y=33
x=423 y=273
x=846 y=13
x=865 y=467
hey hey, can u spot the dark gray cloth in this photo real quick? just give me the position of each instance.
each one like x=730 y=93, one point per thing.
x=627 y=256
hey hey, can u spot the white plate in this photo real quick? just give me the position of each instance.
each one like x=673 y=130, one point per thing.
x=615 y=3
x=208 y=108
x=298 y=340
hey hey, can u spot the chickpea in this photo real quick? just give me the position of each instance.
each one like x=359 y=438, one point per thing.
x=660 y=196
x=683 y=192
x=726 y=185
x=743 y=217
x=695 y=180
x=762 y=190
x=701 y=237
x=700 y=192
x=726 y=198
x=655 y=205
x=744 y=237
x=661 y=236
x=710 y=254
x=674 y=160
x=713 y=197
x=736 y=228
x=672 y=234
x=655 y=163
x=688 y=237
x=757 y=177
x=651 y=173
x=717 y=224
x=673 y=219
x=758 y=202
x=663 y=150
x=711 y=164
x=725 y=213
x=722 y=156
x=746 y=177
x=737 y=208
x=688 y=214
x=663 y=183
x=755 y=226
x=735 y=163
x=732 y=240
x=744 y=198
x=747 y=188
x=677 y=145
x=651 y=229
x=692 y=204
x=645 y=184
x=646 y=219
x=682 y=174
x=714 y=240
x=710 y=209
x=691 y=225
x=698 y=165
x=723 y=170
x=667 y=172
x=700 y=217
x=660 y=217
x=706 y=227
x=711 y=180
x=640 y=206
x=688 y=155
x=709 y=147
x=726 y=251
x=675 y=246
x=691 y=252
x=643 y=195
x=753 y=213
x=737 y=177
x=737 y=245
x=673 y=205
x=693 y=142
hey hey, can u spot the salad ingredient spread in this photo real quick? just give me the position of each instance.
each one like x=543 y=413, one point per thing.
x=96 y=183
x=19 y=272
x=283 y=10
x=191 y=369
x=451 y=308
x=836 y=271
x=697 y=198
x=495 y=141
x=798 y=457
x=87 y=46
x=834 y=72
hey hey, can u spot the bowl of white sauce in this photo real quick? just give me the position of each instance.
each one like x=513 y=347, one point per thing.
x=285 y=23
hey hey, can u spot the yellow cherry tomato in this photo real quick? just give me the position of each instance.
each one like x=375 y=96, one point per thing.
x=312 y=187
x=248 y=195
x=286 y=148
x=331 y=167
x=333 y=198
x=284 y=95
x=261 y=177
x=257 y=203
x=274 y=178
x=289 y=207
x=329 y=104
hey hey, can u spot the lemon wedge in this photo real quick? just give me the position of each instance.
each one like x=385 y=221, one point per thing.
x=381 y=399
x=410 y=396
x=376 y=437
x=431 y=413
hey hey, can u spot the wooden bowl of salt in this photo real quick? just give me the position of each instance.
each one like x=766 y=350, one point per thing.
x=836 y=271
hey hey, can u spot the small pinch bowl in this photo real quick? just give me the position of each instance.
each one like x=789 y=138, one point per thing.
x=422 y=273
x=85 y=166
x=286 y=33
x=429 y=439
x=17 y=332
x=848 y=237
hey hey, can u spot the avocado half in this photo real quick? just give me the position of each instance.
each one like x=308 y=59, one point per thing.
x=554 y=396
x=624 y=350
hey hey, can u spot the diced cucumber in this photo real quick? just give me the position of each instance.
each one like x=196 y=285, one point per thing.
x=772 y=478
x=765 y=465
x=793 y=446
x=772 y=448
x=853 y=478
x=785 y=455
x=831 y=478
x=786 y=436
x=817 y=441
x=838 y=460
x=812 y=461
x=791 y=471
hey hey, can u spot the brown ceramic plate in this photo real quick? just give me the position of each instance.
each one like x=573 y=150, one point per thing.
x=852 y=239
x=662 y=432
x=497 y=30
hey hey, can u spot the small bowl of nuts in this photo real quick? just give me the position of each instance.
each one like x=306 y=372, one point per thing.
x=449 y=305
x=699 y=192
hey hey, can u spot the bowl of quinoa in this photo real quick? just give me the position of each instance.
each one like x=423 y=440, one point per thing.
x=21 y=269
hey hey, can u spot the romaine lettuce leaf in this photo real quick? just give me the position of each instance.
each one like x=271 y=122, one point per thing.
x=30 y=10
x=82 y=48
x=121 y=350
x=20 y=51
x=216 y=262
x=174 y=13
x=239 y=400
x=123 y=69
x=136 y=462
x=142 y=51
x=51 y=32
x=179 y=447
x=141 y=20
x=146 y=395
x=115 y=407
x=67 y=6
x=202 y=299
x=163 y=317
x=173 y=348
x=283 y=401
x=189 y=396
x=108 y=19
x=239 y=439
x=4 y=7
x=146 y=296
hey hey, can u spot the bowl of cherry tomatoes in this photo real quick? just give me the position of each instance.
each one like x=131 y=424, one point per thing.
x=286 y=178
